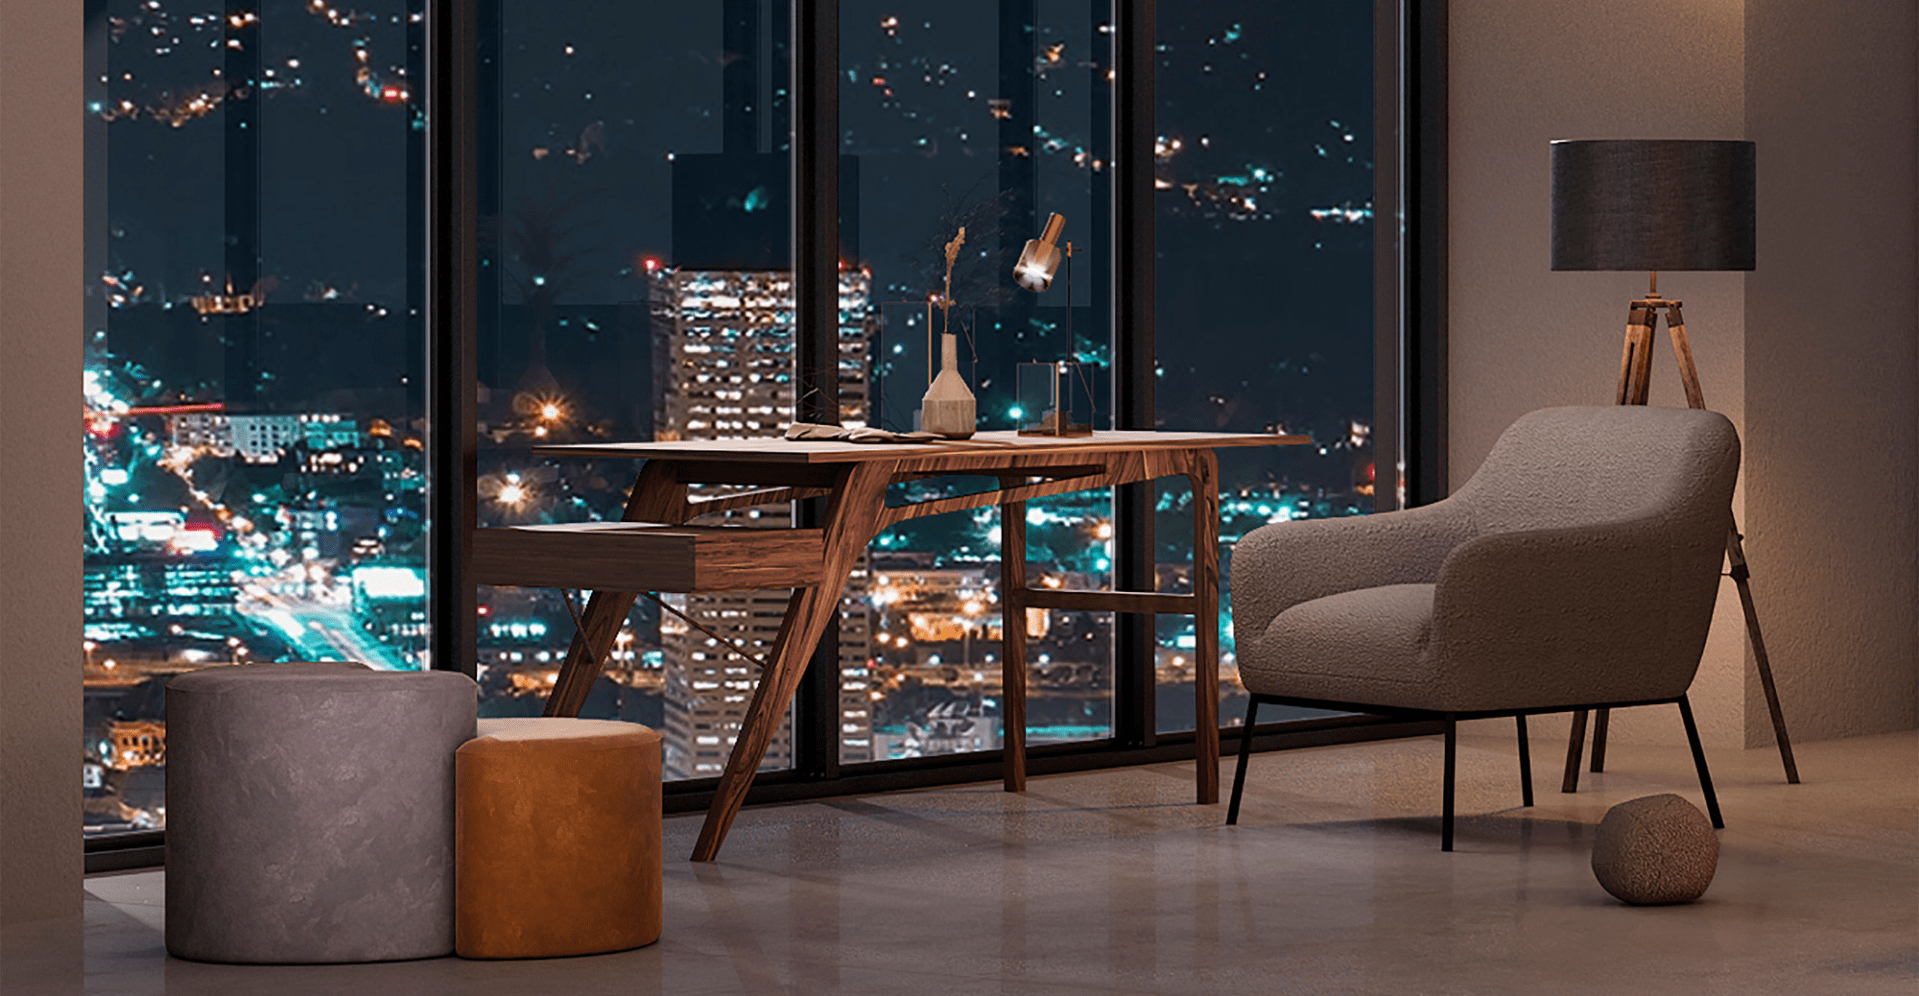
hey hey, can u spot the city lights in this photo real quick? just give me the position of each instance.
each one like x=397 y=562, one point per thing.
x=255 y=447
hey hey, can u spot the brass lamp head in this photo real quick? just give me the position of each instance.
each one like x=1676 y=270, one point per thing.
x=1040 y=261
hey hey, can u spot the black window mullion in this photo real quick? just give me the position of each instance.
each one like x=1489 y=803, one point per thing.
x=1133 y=358
x=1424 y=265
x=241 y=120
x=451 y=313
x=816 y=258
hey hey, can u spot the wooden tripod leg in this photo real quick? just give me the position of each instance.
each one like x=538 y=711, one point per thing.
x=1635 y=365
x=1626 y=364
x=1602 y=717
x=1682 y=351
x=1575 y=745
x=1736 y=555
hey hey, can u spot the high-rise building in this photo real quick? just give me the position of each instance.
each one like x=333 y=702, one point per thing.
x=723 y=369
x=262 y=438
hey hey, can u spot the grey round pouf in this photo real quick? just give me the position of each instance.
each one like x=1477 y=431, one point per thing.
x=1655 y=850
x=310 y=812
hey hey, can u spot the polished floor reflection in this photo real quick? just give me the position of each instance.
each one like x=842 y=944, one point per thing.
x=1110 y=882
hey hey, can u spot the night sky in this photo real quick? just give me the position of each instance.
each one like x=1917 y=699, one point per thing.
x=1265 y=236
x=1264 y=309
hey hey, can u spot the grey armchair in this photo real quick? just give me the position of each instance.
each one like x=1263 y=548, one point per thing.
x=1576 y=570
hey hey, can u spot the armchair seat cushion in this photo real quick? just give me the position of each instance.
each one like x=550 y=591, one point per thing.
x=1368 y=645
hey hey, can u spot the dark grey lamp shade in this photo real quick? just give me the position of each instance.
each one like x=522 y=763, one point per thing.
x=1652 y=205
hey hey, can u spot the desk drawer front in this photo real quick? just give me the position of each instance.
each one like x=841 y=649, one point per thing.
x=625 y=556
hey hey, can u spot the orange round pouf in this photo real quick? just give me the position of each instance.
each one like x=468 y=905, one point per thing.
x=556 y=838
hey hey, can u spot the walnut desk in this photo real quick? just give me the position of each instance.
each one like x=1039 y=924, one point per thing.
x=654 y=549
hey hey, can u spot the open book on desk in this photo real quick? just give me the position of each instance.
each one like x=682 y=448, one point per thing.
x=859 y=434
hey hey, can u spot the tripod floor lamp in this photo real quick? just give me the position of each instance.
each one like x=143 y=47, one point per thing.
x=1660 y=205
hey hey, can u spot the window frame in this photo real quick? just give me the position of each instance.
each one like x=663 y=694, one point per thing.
x=1410 y=390
x=462 y=43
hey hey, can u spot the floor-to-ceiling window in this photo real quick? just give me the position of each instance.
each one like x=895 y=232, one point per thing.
x=255 y=374
x=971 y=124
x=1264 y=304
x=257 y=383
x=636 y=282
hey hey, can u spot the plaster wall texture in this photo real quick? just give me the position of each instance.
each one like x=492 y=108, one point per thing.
x=1812 y=355
x=1521 y=336
x=41 y=231
x=1832 y=363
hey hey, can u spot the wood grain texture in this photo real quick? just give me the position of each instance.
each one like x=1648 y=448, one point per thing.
x=1682 y=351
x=1634 y=389
x=785 y=451
x=586 y=654
x=1014 y=597
x=656 y=497
x=1741 y=578
x=1641 y=380
x=817 y=562
x=751 y=499
x=1115 y=467
x=1575 y=746
x=635 y=556
x=1203 y=473
x=851 y=522
x=1081 y=600
x=1625 y=364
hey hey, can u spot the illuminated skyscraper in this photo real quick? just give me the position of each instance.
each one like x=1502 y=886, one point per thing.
x=724 y=369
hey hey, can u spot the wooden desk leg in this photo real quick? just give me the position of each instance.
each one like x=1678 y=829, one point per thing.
x=657 y=496
x=806 y=615
x=851 y=516
x=1012 y=583
x=600 y=625
x=1204 y=477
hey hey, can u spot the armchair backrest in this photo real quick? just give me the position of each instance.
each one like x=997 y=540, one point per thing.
x=1579 y=466
x=1663 y=474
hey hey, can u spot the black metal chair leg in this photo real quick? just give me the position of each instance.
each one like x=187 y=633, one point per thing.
x=1600 y=721
x=1699 y=761
x=1446 y=820
x=1525 y=763
x=1245 y=752
x=1575 y=745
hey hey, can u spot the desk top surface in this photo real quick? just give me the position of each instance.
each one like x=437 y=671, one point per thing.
x=777 y=450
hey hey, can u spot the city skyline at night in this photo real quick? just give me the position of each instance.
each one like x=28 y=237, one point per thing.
x=255 y=427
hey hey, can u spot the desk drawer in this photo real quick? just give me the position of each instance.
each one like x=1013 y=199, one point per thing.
x=633 y=556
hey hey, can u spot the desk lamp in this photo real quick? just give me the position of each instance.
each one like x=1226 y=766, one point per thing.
x=1055 y=399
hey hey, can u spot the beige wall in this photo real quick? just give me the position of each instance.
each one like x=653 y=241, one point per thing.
x=1831 y=362
x=1523 y=337
x=40 y=324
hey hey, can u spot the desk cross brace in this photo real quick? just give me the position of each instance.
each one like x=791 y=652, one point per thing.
x=579 y=625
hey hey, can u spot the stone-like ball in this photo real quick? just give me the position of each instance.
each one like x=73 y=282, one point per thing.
x=1655 y=850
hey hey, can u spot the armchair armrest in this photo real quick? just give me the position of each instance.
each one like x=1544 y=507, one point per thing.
x=1567 y=616
x=1278 y=566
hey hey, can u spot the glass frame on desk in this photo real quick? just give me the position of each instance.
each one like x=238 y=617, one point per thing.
x=1055 y=399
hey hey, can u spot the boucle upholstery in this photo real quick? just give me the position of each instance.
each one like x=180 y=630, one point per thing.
x=1654 y=850
x=1579 y=566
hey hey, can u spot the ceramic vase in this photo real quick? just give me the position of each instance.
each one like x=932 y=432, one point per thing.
x=948 y=407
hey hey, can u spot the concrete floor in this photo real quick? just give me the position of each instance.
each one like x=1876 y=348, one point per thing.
x=1111 y=882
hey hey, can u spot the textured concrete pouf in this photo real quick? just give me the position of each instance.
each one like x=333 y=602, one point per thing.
x=558 y=840
x=1654 y=850
x=310 y=812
